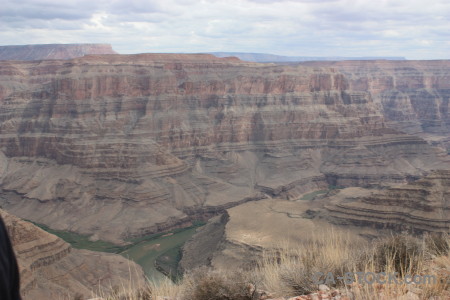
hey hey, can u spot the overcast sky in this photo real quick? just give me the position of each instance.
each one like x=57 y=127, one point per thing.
x=415 y=29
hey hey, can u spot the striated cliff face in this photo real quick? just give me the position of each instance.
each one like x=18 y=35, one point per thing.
x=52 y=51
x=422 y=205
x=51 y=269
x=124 y=145
x=414 y=95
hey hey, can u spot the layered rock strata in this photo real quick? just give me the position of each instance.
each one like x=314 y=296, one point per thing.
x=414 y=95
x=420 y=206
x=119 y=146
x=51 y=269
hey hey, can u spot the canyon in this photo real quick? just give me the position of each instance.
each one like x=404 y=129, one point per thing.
x=51 y=269
x=413 y=95
x=120 y=146
x=413 y=98
x=244 y=234
x=420 y=206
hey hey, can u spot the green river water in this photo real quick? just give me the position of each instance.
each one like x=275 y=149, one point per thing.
x=162 y=249
x=165 y=249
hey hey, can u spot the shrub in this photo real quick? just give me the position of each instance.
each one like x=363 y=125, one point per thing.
x=437 y=244
x=204 y=284
x=400 y=253
x=298 y=278
x=78 y=296
x=144 y=293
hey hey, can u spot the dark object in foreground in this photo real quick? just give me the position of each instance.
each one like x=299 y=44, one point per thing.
x=9 y=271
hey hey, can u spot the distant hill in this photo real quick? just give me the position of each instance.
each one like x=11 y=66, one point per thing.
x=264 y=57
x=52 y=51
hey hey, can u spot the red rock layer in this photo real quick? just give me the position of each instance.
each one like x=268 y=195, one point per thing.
x=414 y=94
x=154 y=141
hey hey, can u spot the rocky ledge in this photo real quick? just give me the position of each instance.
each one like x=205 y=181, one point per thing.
x=51 y=269
x=153 y=141
x=420 y=206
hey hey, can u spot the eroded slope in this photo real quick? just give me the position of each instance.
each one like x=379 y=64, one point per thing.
x=420 y=206
x=124 y=145
x=51 y=269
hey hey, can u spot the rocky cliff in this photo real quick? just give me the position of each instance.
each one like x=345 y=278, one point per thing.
x=414 y=95
x=124 y=145
x=51 y=269
x=422 y=205
x=52 y=51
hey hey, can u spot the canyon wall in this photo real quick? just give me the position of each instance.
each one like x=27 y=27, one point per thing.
x=414 y=95
x=420 y=206
x=51 y=269
x=118 y=146
x=52 y=51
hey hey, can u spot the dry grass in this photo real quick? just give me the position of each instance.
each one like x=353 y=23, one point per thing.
x=165 y=287
x=205 y=284
x=440 y=248
x=149 y=291
x=289 y=271
x=405 y=255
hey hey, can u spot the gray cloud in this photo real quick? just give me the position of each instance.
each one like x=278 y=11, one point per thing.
x=46 y=10
x=414 y=28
